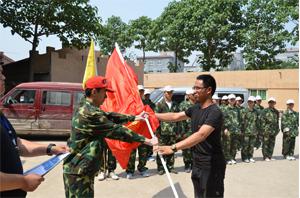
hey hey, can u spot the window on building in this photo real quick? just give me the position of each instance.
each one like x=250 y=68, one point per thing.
x=56 y=98
x=261 y=92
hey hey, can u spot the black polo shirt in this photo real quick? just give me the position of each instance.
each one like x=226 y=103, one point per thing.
x=10 y=158
x=208 y=153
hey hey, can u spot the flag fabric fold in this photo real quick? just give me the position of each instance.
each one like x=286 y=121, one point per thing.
x=125 y=100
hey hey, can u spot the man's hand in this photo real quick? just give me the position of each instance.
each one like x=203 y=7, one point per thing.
x=151 y=142
x=164 y=150
x=59 y=149
x=31 y=182
x=141 y=116
x=226 y=132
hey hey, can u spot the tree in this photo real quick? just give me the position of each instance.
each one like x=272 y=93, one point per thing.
x=72 y=21
x=167 y=34
x=139 y=29
x=213 y=28
x=115 y=30
x=264 y=34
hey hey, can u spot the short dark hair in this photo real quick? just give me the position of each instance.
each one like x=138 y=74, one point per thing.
x=88 y=91
x=208 y=81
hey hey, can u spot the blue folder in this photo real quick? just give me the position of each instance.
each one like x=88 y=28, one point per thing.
x=46 y=166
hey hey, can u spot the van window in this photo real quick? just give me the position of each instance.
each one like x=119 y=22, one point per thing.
x=22 y=96
x=57 y=98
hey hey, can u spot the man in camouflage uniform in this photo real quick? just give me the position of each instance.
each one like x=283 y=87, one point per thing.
x=108 y=163
x=259 y=108
x=269 y=119
x=232 y=127
x=289 y=128
x=238 y=104
x=225 y=138
x=167 y=131
x=142 y=150
x=90 y=125
x=249 y=128
x=185 y=129
x=147 y=101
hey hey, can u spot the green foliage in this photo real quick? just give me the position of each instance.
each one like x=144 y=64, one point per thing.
x=72 y=21
x=115 y=30
x=139 y=31
x=172 y=67
x=264 y=34
x=167 y=32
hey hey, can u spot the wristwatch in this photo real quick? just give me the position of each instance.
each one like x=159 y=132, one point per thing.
x=174 y=149
x=49 y=147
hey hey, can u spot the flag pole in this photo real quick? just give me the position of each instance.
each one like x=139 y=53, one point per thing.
x=163 y=162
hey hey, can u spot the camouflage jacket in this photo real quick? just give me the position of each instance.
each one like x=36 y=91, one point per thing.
x=149 y=102
x=184 y=127
x=90 y=125
x=269 y=121
x=290 y=123
x=259 y=110
x=223 y=108
x=167 y=128
x=249 y=121
x=232 y=119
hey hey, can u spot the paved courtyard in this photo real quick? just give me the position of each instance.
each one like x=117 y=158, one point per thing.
x=276 y=179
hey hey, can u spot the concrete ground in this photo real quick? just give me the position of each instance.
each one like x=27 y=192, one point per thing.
x=276 y=179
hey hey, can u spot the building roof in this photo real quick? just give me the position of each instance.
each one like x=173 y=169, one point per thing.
x=5 y=59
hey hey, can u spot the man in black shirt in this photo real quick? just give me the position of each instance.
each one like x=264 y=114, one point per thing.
x=13 y=182
x=208 y=159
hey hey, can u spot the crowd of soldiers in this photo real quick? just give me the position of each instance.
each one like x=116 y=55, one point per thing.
x=244 y=129
x=247 y=128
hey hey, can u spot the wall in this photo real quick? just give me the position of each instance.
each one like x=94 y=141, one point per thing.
x=281 y=84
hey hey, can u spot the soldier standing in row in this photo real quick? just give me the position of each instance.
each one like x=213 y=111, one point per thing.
x=289 y=128
x=232 y=127
x=225 y=138
x=238 y=104
x=90 y=125
x=269 y=119
x=216 y=99
x=185 y=129
x=259 y=108
x=249 y=128
x=108 y=164
x=142 y=150
x=167 y=131
x=147 y=101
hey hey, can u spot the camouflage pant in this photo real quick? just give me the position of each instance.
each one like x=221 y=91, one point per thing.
x=187 y=158
x=166 y=140
x=288 y=145
x=149 y=150
x=258 y=140
x=235 y=140
x=248 y=146
x=108 y=161
x=143 y=155
x=78 y=186
x=226 y=146
x=268 y=145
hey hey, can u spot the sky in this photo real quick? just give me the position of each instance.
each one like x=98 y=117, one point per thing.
x=17 y=48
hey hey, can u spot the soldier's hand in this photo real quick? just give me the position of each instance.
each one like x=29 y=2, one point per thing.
x=151 y=142
x=226 y=132
x=141 y=116
x=31 y=182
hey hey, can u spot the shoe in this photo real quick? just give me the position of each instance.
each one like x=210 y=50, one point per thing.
x=151 y=159
x=173 y=171
x=233 y=161
x=252 y=160
x=145 y=173
x=161 y=172
x=246 y=161
x=272 y=159
x=187 y=170
x=229 y=162
x=292 y=158
x=113 y=175
x=101 y=176
x=129 y=176
x=267 y=160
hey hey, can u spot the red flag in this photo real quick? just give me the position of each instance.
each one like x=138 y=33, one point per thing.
x=126 y=100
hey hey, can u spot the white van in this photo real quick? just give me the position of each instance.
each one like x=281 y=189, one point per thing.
x=179 y=93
